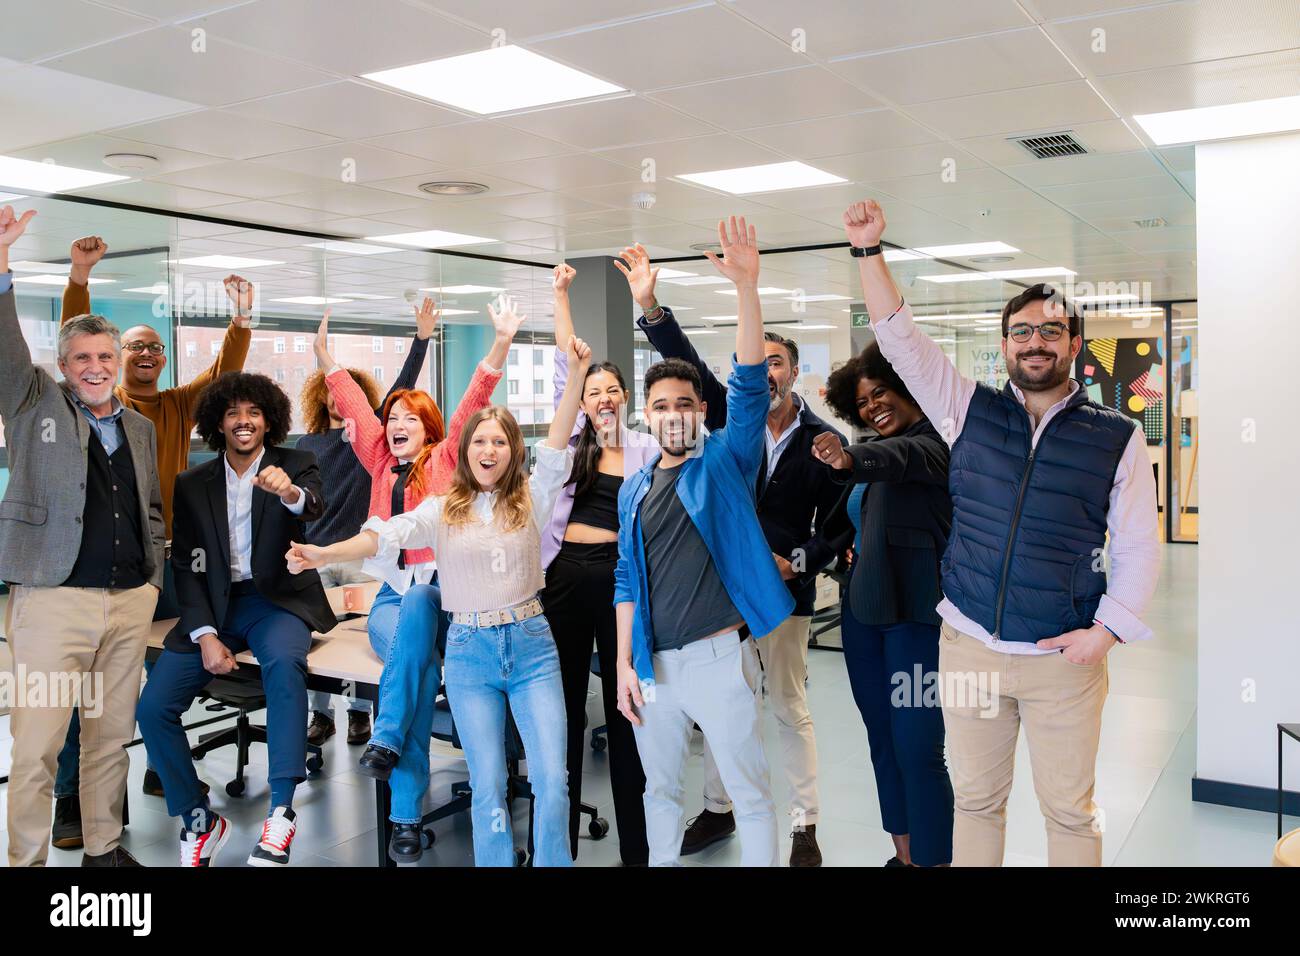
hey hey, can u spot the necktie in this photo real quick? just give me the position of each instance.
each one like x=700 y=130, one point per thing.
x=399 y=500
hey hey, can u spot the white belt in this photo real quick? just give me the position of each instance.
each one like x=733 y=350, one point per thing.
x=509 y=615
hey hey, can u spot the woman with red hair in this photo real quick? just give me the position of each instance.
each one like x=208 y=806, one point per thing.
x=409 y=455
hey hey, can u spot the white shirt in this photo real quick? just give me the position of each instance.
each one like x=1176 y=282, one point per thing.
x=777 y=445
x=944 y=394
x=239 y=519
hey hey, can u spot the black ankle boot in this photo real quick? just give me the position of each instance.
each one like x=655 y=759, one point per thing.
x=377 y=762
x=407 y=844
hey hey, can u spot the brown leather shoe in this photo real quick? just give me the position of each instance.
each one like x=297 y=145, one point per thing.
x=114 y=857
x=804 y=851
x=153 y=787
x=358 y=727
x=320 y=729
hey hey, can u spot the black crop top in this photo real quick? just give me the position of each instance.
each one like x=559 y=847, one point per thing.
x=597 y=507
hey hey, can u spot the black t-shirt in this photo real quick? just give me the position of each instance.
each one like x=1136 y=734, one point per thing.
x=687 y=598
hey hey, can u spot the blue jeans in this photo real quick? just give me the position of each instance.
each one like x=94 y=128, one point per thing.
x=279 y=640
x=404 y=631
x=488 y=669
x=904 y=729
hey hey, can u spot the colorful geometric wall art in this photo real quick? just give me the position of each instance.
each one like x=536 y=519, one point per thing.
x=1127 y=375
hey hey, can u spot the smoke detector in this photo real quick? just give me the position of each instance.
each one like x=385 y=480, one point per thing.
x=131 y=162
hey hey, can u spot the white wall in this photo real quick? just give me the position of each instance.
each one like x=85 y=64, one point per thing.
x=1248 y=262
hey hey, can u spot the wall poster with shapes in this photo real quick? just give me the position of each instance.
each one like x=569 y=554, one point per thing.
x=1127 y=375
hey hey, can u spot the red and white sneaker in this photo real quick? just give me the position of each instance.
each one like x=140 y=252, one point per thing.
x=277 y=835
x=201 y=849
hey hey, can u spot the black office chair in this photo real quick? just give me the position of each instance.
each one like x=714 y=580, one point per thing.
x=599 y=735
x=244 y=696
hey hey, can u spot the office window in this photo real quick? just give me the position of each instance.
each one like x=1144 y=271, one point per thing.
x=378 y=372
x=399 y=347
x=191 y=349
x=376 y=344
x=214 y=347
x=512 y=358
x=279 y=375
x=279 y=345
x=300 y=344
x=539 y=386
x=512 y=387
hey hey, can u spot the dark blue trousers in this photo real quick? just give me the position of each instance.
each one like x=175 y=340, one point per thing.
x=279 y=640
x=904 y=729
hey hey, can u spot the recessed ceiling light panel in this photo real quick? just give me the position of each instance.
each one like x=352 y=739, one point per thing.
x=769 y=177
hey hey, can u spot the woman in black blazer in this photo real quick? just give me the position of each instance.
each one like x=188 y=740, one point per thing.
x=897 y=514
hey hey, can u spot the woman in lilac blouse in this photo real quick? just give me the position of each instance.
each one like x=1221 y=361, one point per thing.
x=579 y=551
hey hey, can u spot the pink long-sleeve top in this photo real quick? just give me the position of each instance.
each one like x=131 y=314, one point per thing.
x=369 y=440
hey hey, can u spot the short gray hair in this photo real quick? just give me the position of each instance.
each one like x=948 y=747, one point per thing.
x=87 y=325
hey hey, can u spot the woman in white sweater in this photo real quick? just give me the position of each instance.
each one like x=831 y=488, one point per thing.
x=486 y=532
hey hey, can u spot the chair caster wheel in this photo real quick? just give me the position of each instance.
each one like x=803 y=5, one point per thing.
x=235 y=788
x=598 y=744
x=521 y=857
x=315 y=763
x=598 y=828
x=429 y=838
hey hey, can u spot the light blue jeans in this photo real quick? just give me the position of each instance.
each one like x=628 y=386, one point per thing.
x=403 y=630
x=488 y=669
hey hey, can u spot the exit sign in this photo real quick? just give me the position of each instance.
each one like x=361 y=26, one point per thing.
x=858 y=320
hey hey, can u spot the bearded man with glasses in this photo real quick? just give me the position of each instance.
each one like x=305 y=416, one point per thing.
x=1040 y=477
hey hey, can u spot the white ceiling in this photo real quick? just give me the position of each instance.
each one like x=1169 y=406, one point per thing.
x=257 y=128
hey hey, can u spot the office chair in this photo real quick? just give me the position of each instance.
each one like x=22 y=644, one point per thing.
x=599 y=735
x=244 y=696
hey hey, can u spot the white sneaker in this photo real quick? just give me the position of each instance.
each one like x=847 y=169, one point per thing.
x=277 y=835
x=201 y=849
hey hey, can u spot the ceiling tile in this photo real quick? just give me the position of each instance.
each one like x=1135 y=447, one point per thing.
x=1161 y=184
x=691 y=46
x=837 y=135
x=276 y=214
x=157 y=195
x=349 y=110
x=240 y=179
x=222 y=133
x=768 y=99
x=163 y=61
x=520 y=20
x=608 y=123
x=343 y=36
x=1082 y=169
x=34 y=31
x=469 y=143
x=939 y=71
x=1037 y=108
x=1265 y=76
x=1106 y=136
x=894 y=163
x=840 y=27
x=410 y=185
x=564 y=172
x=88 y=152
x=340 y=200
x=361 y=162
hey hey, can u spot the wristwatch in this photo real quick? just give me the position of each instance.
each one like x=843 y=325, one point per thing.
x=859 y=251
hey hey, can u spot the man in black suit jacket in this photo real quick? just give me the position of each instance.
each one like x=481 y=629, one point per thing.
x=229 y=538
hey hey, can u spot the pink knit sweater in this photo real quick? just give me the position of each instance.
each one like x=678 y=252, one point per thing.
x=370 y=442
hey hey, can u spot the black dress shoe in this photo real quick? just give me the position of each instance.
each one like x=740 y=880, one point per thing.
x=894 y=861
x=153 y=784
x=707 y=829
x=114 y=857
x=805 y=852
x=407 y=844
x=320 y=729
x=66 y=832
x=377 y=762
x=358 y=727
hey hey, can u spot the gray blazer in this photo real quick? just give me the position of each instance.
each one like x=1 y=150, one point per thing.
x=47 y=441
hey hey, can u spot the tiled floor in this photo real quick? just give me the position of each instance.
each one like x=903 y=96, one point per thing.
x=1143 y=777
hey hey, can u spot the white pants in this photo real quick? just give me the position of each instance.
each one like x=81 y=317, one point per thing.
x=784 y=653
x=711 y=683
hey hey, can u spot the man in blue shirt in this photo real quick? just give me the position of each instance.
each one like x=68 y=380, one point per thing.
x=694 y=569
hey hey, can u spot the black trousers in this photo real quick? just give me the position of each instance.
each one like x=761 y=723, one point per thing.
x=579 y=603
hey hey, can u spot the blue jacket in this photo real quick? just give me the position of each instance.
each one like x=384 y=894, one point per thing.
x=1029 y=524
x=717 y=489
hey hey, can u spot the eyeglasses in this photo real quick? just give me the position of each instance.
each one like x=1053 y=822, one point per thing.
x=153 y=348
x=1050 y=331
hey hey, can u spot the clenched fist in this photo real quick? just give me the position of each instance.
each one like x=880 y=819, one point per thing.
x=864 y=223
x=274 y=481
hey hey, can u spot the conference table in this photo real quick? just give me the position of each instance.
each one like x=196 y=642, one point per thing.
x=339 y=662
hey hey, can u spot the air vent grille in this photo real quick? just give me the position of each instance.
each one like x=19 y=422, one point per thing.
x=1051 y=145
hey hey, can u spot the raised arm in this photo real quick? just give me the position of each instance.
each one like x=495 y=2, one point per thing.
x=916 y=458
x=234 y=347
x=426 y=322
x=561 y=279
x=21 y=383
x=747 y=394
x=378 y=538
x=363 y=430
x=85 y=254
x=941 y=391
x=665 y=335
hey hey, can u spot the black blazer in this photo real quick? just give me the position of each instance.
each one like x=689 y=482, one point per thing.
x=792 y=507
x=906 y=518
x=201 y=546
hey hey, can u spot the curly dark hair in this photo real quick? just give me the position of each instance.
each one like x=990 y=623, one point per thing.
x=234 y=387
x=842 y=384
x=673 y=368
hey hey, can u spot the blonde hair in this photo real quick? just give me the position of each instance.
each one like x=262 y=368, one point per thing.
x=513 y=504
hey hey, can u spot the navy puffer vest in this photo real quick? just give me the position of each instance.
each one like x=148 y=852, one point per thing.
x=1024 y=557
